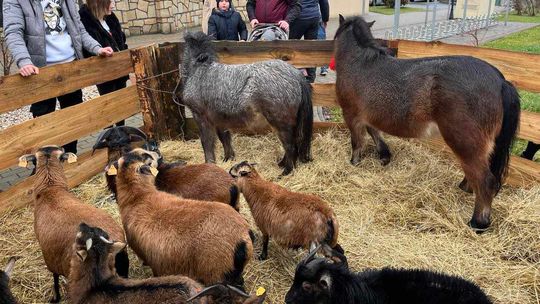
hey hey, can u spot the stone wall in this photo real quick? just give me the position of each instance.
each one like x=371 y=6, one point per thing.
x=163 y=16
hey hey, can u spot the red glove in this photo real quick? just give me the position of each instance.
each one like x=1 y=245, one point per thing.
x=332 y=64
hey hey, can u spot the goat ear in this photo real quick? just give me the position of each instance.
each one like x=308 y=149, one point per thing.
x=341 y=19
x=370 y=24
x=69 y=157
x=117 y=247
x=146 y=169
x=25 y=159
x=82 y=254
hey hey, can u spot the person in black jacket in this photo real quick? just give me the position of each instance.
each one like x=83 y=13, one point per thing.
x=103 y=25
x=226 y=23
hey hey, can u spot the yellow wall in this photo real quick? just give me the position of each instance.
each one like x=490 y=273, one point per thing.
x=347 y=7
x=474 y=8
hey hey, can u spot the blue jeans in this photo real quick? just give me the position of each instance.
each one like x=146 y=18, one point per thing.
x=321 y=35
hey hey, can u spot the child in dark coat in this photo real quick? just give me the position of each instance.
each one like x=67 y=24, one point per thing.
x=226 y=23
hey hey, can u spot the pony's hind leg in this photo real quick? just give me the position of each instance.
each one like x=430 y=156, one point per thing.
x=225 y=139
x=382 y=147
x=482 y=182
x=287 y=139
x=358 y=130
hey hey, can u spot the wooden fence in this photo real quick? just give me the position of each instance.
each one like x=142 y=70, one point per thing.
x=155 y=69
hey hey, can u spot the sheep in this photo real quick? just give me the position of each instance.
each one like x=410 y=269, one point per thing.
x=206 y=182
x=294 y=220
x=329 y=281
x=206 y=241
x=57 y=214
x=94 y=280
x=6 y=297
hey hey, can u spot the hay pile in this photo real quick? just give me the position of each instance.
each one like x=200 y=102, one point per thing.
x=408 y=214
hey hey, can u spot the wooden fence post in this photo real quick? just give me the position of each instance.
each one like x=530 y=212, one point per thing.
x=156 y=80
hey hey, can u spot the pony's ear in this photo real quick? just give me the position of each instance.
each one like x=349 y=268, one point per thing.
x=202 y=57
x=370 y=24
x=341 y=19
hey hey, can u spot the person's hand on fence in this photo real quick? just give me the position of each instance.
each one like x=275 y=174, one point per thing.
x=254 y=22
x=28 y=70
x=105 y=52
x=284 y=25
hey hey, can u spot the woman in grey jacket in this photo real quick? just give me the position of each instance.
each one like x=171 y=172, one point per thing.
x=46 y=32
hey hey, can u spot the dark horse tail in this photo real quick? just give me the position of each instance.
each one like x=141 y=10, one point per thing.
x=304 y=124
x=503 y=142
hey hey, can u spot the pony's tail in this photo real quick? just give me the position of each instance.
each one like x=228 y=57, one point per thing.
x=503 y=142
x=304 y=124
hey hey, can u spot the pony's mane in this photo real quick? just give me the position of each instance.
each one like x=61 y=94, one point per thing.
x=361 y=32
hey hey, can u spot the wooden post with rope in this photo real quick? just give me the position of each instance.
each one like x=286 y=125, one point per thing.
x=157 y=75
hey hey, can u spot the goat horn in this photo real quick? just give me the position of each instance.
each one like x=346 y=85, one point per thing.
x=10 y=265
x=105 y=240
x=206 y=292
x=133 y=131
x=311 y=255
x=88 y=244
x=238 y=291
x=99 y=142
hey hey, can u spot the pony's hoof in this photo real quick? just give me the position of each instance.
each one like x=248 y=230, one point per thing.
x=385 y=161
x=478 y=227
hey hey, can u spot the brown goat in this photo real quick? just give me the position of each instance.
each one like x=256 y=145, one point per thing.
x=206 y=241
x=58 y=213
x=293 y=219
x=93 y=279
x=205 y=182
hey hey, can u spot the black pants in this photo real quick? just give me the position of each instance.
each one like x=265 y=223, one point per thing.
x=531 y=150
x=308 y=29
x=111 y=86
x=48 y=105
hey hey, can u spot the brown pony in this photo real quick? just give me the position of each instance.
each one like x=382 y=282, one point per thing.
x=468 y=100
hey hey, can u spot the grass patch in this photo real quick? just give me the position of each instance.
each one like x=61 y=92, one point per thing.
x=524 y=41
x=513 y=17
x=390 y=11
x=530 y=101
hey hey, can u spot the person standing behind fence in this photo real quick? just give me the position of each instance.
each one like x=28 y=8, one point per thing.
x=307 y=25
x=282 y=12
x=226 y=23
x=47 y=32
x=103 y=25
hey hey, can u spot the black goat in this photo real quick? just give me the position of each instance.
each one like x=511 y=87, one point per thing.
x=6 y=297
x=329 y=281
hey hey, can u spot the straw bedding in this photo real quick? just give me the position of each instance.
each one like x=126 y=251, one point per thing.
x=408 y=214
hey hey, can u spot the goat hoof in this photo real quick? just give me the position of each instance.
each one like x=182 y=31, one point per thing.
x=54 y=299
x=281 y=163
x=355 y=161
x=286 y=172
x=478 y=227
x=385 y=161
x=306 y=159
x=464 y=185
x=263 y=257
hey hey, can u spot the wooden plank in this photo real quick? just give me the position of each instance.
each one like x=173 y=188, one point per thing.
x=522 y=69
x=77 y=173
x=324 y=94
x=17 y=91
x=529 y=127
x=521 y=173
x=61 y=127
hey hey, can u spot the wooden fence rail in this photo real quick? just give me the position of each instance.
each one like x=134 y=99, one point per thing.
x=156 y=70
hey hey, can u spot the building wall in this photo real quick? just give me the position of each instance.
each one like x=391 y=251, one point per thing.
x=474 y=8
x=163 y=16
x=167 y=16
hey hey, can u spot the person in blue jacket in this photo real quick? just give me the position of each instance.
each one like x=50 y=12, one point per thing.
x=225 y=23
